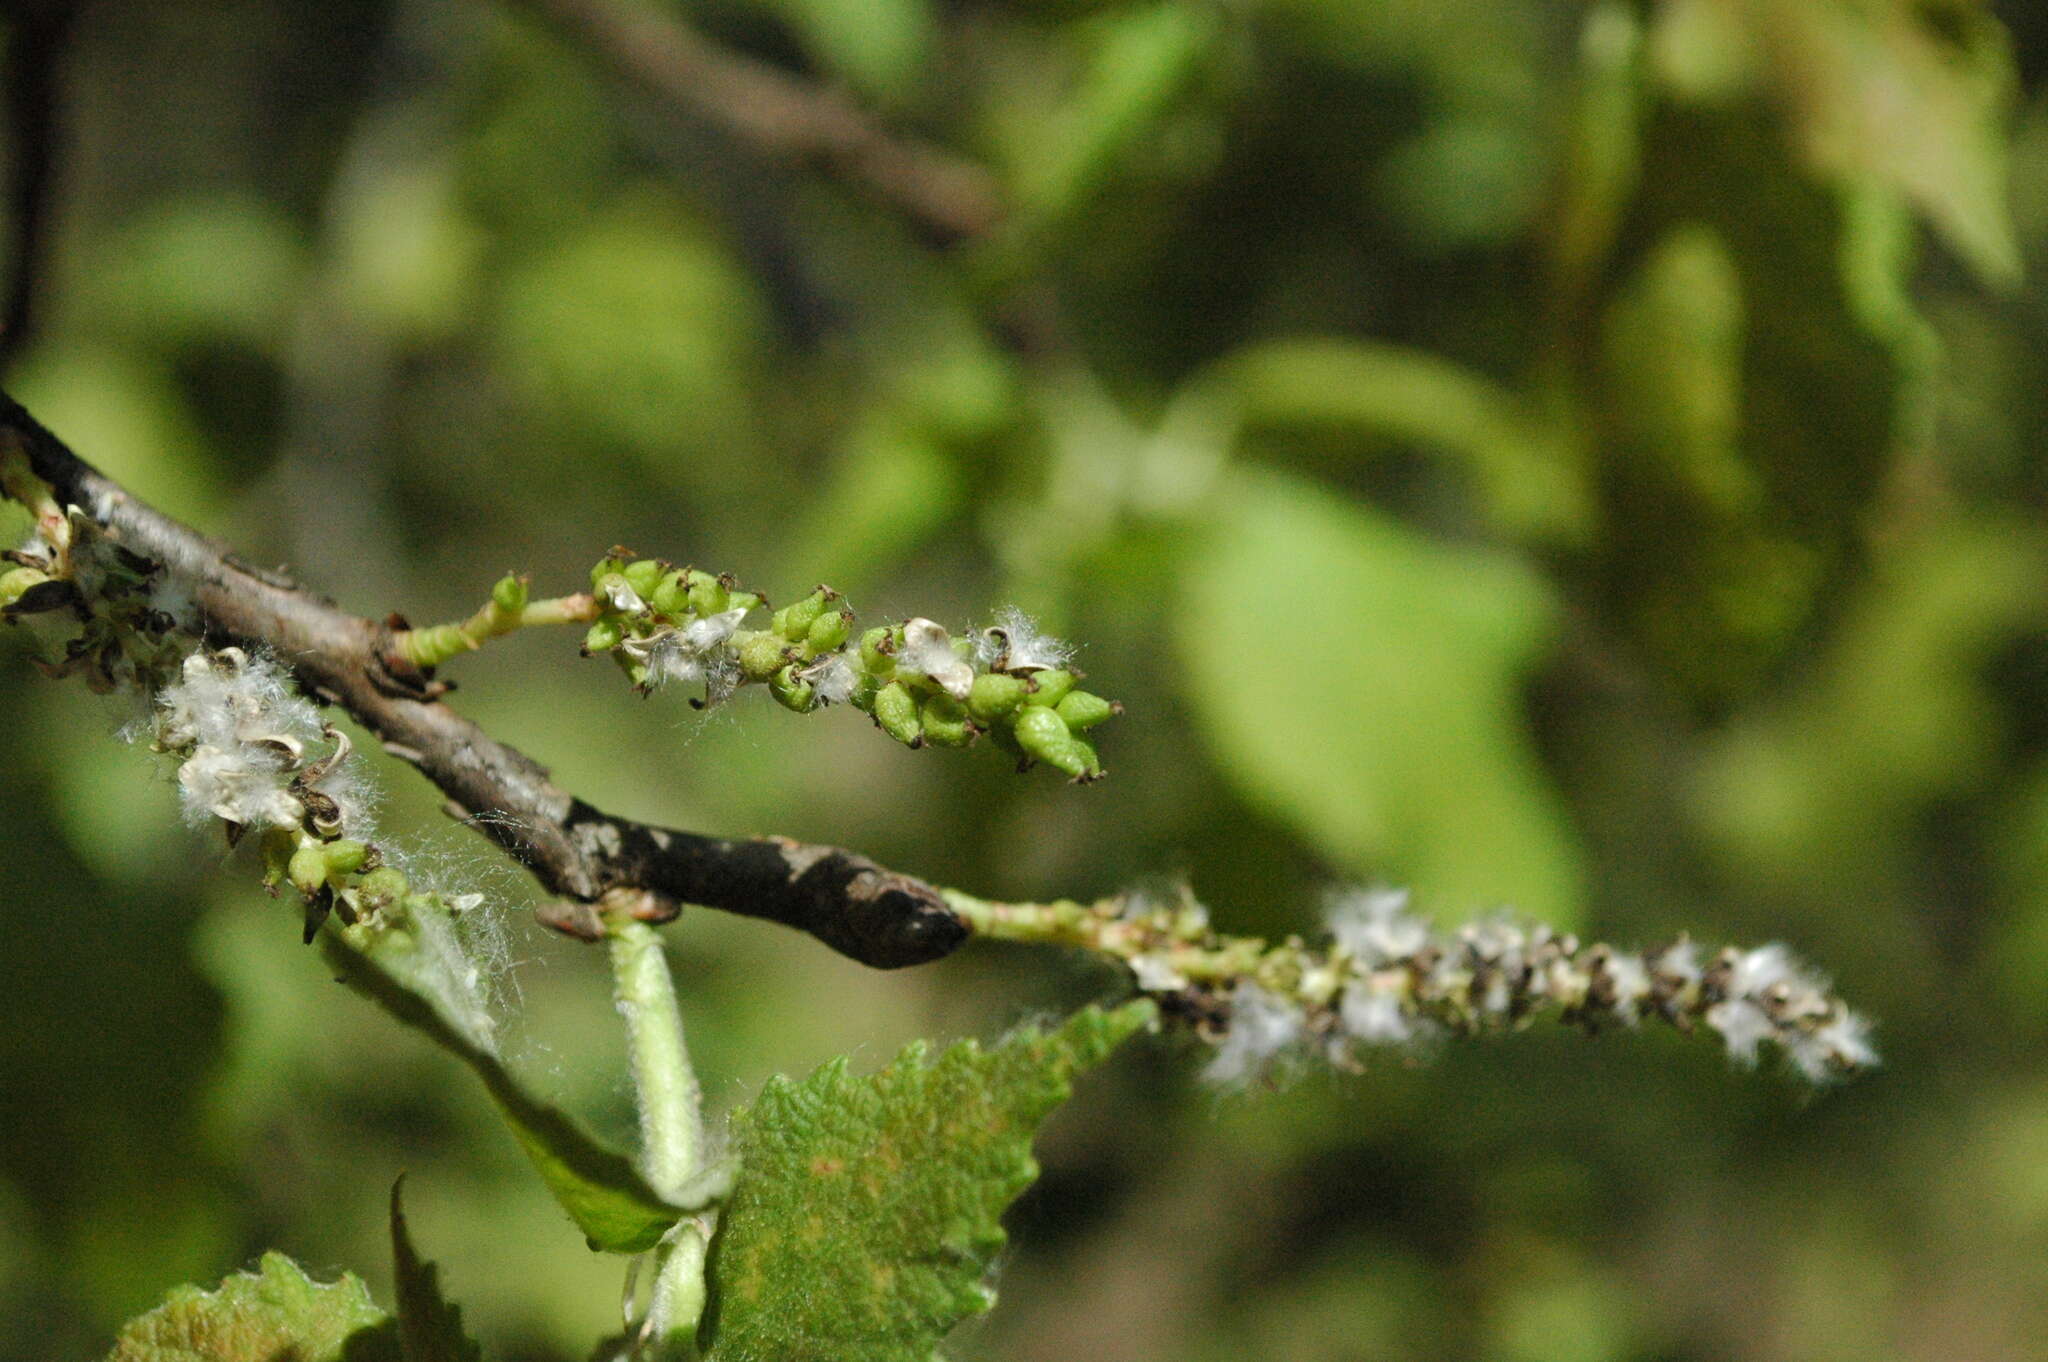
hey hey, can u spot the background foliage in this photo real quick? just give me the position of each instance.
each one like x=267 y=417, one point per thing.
x=1573 y=455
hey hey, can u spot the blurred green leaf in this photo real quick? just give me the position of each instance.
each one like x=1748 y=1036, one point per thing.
x=428 y=1326
x=638 y=333
x=195 y=269
x=1819 y=787
x=1762 y=372
x=1913 y=95
x=888 y=487
x=128 y=841
x=407 y=972
x=1603 y=157
x=1361 y=681
x=882 y=47
x=866 y=1218
x=272 y=1314
x=128 y=411
x=1467 y=181
x=2017 y=951
x=407 y=252
x=1673 y=349
x=1560 y=1310
x=1360 y=1297
x=1530 y=481
x=1137 y=62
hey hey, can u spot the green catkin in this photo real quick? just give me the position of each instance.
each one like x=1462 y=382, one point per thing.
x=666 y=624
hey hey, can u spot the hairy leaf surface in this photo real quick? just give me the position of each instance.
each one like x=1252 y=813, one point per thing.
x=868 y=1214
x=272 y=1313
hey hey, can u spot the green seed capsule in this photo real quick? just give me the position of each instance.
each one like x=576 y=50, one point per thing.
x=307 y=869
x=806 y=613
x=509 y=594
x=994 y=695
x=708 y=595
x=1043 y=734
x=381 y=887
x=792 y=690
x=606 y=567
x=876 y=647
x=345 y=856
x=760 y=653
x=829 y=631
x=1052 y=687
x=945 y=721
x=896 y=711
x=1082 y=709
x=741 y=600
x=604 y=636
x=671 y=596
x=643 y=576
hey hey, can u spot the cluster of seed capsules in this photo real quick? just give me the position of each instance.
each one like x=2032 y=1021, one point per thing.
x=664 y=624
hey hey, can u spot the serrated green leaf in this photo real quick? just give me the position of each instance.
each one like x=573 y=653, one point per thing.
x=1362 y=681
x=276 y=1312
x=868 y=1214
x=428 y=1326
x=598 y=1186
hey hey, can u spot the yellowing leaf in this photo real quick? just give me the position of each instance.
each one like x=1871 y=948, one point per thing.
x=866 y=1219
x=273 y=1313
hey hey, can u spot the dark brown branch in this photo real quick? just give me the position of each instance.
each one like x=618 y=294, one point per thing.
x=779 y=116
x=876 y=916
x=36 y=43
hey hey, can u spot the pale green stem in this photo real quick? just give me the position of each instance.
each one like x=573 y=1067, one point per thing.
x=663 y=1082
x=676 y=1304
x=1177 y=935
x=671 y=1130
x=431 y=646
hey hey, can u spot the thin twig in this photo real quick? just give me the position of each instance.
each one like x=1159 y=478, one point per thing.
x=779 y=116
x=858 y=908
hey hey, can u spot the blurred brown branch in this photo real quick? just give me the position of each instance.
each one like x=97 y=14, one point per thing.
x=858 y=908
x=780 y=116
